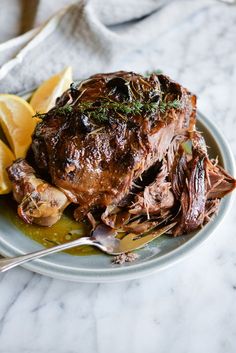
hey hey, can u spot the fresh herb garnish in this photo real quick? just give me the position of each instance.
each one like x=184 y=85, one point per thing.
x=64 y=110
x=99 y=111
x=38 y=115
x=60 y=110
x=149 y=73
x=176 y=104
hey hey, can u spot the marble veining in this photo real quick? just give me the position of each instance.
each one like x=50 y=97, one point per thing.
x=189 y=307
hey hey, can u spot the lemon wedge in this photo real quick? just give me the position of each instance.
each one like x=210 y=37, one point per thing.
x=45 y=96
x=17 y=123
x=6 y=159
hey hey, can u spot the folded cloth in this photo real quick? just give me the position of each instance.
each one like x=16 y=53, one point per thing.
x=18 y=16
x=88 y=36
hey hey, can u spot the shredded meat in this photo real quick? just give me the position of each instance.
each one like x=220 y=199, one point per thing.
x=155 y=197
x=122 y=258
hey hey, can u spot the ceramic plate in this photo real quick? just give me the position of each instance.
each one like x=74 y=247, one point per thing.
x=162 y=252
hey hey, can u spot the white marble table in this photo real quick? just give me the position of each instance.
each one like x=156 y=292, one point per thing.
x=188 y=308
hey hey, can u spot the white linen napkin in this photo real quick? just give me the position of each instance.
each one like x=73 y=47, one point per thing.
x=91 y=36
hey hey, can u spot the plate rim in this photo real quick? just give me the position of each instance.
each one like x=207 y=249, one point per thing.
x=134 y=271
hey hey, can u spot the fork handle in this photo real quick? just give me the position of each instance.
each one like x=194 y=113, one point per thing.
x=10 y=262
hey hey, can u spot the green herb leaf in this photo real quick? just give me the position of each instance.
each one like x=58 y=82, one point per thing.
x=38 y=115
x=149 y=73
x=163 y=106
x=66 y=109
x=101 y=110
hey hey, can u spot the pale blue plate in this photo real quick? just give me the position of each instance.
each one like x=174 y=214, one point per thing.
x=161 y=253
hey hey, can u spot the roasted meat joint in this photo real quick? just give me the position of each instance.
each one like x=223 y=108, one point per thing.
x=124 y=150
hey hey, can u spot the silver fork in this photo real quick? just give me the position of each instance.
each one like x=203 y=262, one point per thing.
x=101 y=239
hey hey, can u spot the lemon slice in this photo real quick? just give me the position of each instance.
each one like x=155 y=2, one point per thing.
x=6 y=159
x=17 y=123
x=45 y=96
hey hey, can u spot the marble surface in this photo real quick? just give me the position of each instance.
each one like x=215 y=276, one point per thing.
x=187 y=308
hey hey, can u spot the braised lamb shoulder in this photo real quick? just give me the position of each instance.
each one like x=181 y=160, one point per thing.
x=125 y=150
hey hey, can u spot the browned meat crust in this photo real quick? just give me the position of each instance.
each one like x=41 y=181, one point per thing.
x=125 y=150
x=95 y=162
x=39 y=202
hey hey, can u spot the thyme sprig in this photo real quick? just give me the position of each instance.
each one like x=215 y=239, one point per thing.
x=149 y=73
x=99 y=111
x=163 y=106
x=65 y=110
x=39 y=115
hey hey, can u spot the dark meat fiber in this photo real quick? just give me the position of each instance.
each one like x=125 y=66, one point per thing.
x=124 y=148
